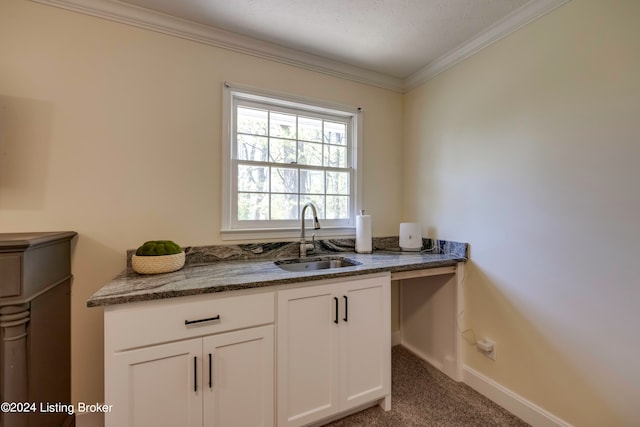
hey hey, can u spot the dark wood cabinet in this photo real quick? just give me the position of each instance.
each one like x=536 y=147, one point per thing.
x=35 y=326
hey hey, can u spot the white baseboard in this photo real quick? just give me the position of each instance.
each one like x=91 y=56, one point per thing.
x=423 y=356
x=89 y=419
x=449 y=366
x=512 y=402
x=395 y=338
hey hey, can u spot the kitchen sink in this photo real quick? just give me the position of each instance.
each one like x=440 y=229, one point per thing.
x=312 y=264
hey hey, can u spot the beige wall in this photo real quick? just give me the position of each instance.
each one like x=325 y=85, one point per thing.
x=115 y=132
x=529 y=151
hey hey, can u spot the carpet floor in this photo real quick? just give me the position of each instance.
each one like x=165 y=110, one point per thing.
x=421 y=395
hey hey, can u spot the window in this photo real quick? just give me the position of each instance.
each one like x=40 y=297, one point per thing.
x=282 y=152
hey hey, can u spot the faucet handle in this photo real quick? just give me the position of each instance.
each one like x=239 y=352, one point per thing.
x=307 y=247
x=311 y=246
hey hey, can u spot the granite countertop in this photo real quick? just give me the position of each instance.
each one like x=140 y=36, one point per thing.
x=219 y=269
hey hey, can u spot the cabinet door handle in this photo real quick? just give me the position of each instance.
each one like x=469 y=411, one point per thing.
x=195 y=374
x=336 y=318
x=208 y=319
x=210 y=371
x=346 y=308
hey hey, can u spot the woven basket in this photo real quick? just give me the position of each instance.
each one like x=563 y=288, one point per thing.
x=157 y=264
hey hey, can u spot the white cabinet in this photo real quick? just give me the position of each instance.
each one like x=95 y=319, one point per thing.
x=211 y=360
x=334 y=348
x=153 y=386
x=308 y=355
x=218 y=376
x=365 y=341
x=238 y=385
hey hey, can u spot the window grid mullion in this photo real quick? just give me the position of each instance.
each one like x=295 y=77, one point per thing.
x=269 y=157
x=291 y=165
x=298 y=157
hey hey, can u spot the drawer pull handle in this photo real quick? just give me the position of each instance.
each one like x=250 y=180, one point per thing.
x=210 y=371
x=195 y=374
x=346 y=308
x=336 y=318
x=208 y=319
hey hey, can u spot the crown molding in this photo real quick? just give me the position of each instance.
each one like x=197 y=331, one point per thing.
x=125 y=13
x=151 y=20
x=510 y=23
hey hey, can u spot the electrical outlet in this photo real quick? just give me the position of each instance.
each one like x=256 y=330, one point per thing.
x=487 y=347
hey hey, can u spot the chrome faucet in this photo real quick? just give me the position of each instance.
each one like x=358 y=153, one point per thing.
x=304 y=246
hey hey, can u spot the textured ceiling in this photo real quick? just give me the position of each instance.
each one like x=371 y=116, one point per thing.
x=393 y=37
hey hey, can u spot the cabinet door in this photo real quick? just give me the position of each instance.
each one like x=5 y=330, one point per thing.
x=238 y=378
x=308 y=357
x=365 y=341
x=156 y=386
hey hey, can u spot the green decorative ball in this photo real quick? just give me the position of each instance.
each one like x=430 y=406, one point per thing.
x=158 y=247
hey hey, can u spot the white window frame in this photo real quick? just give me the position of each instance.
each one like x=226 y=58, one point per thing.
x=231 y=229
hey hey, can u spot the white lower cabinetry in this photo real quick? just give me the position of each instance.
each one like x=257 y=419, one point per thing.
x=219 y=380
x=334 y=348
x=211 y=360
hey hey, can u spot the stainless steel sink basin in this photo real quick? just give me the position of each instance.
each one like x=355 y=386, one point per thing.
x=312 y=264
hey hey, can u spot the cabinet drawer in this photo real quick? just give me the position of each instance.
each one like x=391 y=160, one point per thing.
x=11 y=274
x=152 y=322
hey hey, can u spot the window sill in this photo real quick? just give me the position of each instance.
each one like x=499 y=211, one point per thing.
x=287 y=233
